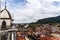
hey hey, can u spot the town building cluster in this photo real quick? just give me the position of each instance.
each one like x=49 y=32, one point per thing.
x=40 y=32
x=13 y=31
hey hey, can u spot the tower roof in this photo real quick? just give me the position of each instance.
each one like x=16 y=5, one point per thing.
x=7 y=12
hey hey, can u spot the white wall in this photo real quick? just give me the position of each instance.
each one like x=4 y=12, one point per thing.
x=8 y=22
x=4 y=14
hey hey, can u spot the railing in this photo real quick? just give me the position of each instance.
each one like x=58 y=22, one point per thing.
x=8 y=30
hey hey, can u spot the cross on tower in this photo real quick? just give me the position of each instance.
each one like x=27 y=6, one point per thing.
x=5 y=4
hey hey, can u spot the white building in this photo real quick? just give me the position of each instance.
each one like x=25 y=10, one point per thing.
x=5 y=23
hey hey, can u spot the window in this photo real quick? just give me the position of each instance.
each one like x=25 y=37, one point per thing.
x=3 y=25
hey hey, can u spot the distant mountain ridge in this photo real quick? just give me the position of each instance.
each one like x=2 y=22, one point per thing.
x=49 y=20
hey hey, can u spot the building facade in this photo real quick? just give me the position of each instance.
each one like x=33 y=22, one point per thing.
x=5 y=24
x=5 y=19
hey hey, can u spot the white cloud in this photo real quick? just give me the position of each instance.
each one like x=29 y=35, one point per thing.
x=32 y=10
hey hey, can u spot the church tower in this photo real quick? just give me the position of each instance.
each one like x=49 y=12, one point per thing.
x=5 y=19
x=5 y=23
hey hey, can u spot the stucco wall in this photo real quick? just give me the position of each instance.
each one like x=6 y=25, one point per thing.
x=8 y=22
x=4 y=14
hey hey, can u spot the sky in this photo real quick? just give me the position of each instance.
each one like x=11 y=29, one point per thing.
x=27 y=11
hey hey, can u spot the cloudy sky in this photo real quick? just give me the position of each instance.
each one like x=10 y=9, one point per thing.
x=26 y=11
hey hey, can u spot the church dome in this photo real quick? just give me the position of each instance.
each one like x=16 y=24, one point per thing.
x=5 y=14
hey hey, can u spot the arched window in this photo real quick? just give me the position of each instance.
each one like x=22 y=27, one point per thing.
x=3 y=25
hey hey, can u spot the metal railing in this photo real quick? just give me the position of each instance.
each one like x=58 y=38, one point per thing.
x=8 y=30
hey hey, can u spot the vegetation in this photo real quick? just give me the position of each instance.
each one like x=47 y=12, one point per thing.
x=49 y=20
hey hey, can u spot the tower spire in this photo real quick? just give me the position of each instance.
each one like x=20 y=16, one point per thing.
x=5 y=4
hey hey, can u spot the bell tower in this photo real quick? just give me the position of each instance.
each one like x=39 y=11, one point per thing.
x=5 y=19
x=5 y=22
